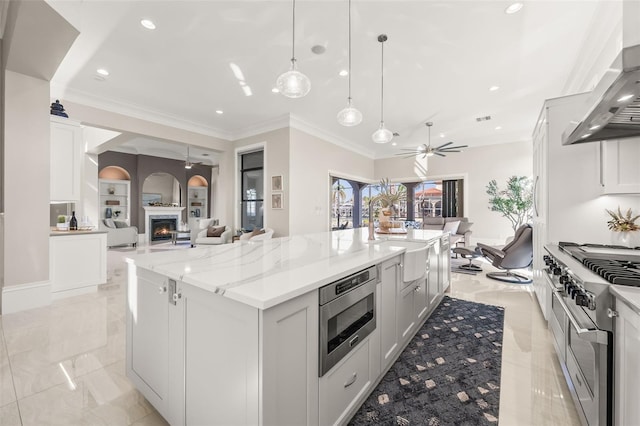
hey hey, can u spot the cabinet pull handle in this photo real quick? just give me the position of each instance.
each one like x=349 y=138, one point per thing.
x=578 y=379
x=351 y=381
x=177 y=296
x=162 y=289
x=611 y=313
x=417 y=289
x=354 y=341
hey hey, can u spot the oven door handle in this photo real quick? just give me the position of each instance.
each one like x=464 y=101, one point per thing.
x=594 y=336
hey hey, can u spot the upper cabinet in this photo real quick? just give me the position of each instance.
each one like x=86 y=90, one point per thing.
x=66 y=160
x=620 y=173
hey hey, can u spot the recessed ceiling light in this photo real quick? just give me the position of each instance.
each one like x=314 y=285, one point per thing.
x=219 y=111
x=493 y=88
x=625 y=98
x=318 y=49
x=394 y=144
x=513 y=8
x=498 y=127
x=275 y=90
x=442 y=135
x=343 y=73
x=102 y=71
x=148 y=24
x=247 y=90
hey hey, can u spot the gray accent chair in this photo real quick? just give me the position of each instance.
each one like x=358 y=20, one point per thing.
x=518 y=254
x=460 y=238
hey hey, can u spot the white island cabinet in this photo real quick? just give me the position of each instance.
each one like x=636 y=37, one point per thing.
x=626 y=387
x=229 y=335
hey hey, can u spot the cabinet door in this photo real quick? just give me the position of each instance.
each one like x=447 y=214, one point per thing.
x=406 y=316
x=221 y=381
x=627 y=369
x=434 y=276
x=387 y=319
x=444 y=265
x=420 y=302
x=148 y=335
x=620 y=171
x=66 y=158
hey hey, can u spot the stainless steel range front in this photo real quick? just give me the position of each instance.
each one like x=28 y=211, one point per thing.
x=582 y=332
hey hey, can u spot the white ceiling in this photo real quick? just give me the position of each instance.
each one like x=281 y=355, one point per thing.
x=440 y=60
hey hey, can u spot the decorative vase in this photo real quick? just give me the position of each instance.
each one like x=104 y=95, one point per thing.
x=629 y=239
x=111 y=190
x=384 y=219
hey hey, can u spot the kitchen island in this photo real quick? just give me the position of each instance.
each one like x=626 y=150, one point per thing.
x=229 y=334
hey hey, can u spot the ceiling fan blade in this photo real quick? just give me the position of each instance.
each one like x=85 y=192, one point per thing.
x=443 y=145
x=457 y=147
x=437 y=153
x=450 y=150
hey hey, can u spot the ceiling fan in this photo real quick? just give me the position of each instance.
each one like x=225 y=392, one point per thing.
x=427 y=151
x=188 y=164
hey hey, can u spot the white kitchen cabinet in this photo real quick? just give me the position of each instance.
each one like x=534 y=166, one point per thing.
x=148 y=336
x=444 y=264
x=420 y=302
x=115 y=195
x=434 y=275
x=627 y=370
x=620 y=170
x=388 y=311
x=66 y=159
x=406 y=316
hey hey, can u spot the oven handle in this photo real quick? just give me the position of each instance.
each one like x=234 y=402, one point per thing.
x=594 y=336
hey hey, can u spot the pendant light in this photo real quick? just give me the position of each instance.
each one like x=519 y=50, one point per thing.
x=382 y=135
x=293 y=84
x=349 y=116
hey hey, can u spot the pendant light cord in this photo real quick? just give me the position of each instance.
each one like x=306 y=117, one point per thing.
x=382 y=85
x=349 y=52
x=293 y=45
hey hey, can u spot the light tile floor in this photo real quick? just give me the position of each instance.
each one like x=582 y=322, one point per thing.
x=64 y=364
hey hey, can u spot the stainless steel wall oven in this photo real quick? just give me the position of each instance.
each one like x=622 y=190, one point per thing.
x=347 y=315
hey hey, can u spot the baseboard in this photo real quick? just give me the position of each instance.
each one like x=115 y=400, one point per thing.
x=74 y=292
x=16 y=298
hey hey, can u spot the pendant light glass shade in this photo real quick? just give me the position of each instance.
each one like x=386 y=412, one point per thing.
x=349 y=116
x=293 y=84
x=382 y=135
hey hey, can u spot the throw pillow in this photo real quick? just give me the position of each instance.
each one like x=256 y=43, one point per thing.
x=215 y=231
x=257 y=231
x=109 y=223
x=120 y=224
x=464 y=227
x=451 y=227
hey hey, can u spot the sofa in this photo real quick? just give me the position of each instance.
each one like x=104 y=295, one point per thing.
x=460 y=232
x=199 y=228
x=258 y=236
x=119 y=233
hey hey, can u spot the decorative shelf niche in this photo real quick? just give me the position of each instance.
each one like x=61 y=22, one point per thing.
x=198 y=197
x=115 y=194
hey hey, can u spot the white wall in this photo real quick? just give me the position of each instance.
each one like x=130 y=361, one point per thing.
x=312 y=161
x=477 y=166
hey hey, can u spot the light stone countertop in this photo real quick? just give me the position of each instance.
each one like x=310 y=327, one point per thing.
x=55 y=233
x=629 y=295
x=267 y=273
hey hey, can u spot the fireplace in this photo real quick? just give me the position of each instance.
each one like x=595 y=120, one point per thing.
x=160 y=226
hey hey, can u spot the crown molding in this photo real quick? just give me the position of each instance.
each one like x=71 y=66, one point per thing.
x=299 y=124
x=136 y=111
x=262 y=127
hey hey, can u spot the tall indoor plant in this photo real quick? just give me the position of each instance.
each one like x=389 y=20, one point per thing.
x=515 y=202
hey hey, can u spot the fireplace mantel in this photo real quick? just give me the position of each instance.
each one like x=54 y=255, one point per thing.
x=150 y=211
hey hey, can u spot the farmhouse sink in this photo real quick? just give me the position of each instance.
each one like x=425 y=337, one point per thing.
x=415 y=258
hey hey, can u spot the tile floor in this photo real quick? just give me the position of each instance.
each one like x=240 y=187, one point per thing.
x=65 y=364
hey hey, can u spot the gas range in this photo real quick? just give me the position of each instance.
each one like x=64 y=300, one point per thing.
x=618 y=265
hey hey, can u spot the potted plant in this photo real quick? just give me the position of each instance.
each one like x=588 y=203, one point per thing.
x=116 y=213
x=389 y=197
x=61 y=222
x=515 y=202
x=624 y=227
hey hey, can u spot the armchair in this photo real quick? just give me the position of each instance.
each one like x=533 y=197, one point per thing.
x=199 y=232
x=266 y=235
x=119 y=233
x=518 y=254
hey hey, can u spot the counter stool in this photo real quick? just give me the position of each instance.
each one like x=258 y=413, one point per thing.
x=468 y=254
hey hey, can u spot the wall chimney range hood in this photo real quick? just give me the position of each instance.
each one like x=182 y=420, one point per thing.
x=616 y=99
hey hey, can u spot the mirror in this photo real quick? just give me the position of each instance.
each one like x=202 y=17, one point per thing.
x=161 y=188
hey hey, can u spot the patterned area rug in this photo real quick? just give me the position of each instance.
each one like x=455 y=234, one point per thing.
x=449 y=374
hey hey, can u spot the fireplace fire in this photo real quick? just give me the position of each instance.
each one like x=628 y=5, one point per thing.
x=160 y=228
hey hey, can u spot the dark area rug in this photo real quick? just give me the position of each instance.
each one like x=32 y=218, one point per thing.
x=449 y=374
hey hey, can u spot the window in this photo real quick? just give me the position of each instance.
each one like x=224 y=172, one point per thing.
x=370 y=191
x=428 y=200
x=341 y=204
x=252 y=190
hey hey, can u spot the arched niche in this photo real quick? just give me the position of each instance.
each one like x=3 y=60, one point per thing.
x=197 y=203
x=161 y=188
x=114 y=173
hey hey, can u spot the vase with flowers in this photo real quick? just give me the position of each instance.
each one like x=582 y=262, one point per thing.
x=390 y=197
x=624 y=227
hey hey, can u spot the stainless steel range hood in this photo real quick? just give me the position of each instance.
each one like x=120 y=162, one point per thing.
x=616 y=110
